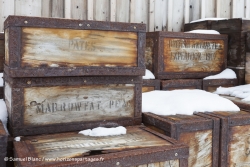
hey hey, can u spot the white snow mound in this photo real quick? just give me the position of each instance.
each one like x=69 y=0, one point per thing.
x=203 y=32
x=207 y=19
x=101 y=131
x=242 y=91
x=148 y=75
x=1 y=79
x=226 y=74
x=3 y=114
x=184 y=102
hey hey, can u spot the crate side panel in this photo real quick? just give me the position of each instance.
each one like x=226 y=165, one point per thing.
x=75 y=48
x=149 y=54
x=247 y=72
x=2 y=54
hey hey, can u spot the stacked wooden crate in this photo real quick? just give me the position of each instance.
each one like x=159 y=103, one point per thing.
x=68 y=75
x=181 y=60
x=236 y=29
x=3 y=144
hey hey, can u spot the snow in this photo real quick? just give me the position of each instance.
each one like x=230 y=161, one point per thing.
x=226 y=74
x=101 y=131
x=184 y=102
x=1 y=79
x=203 y=31
x=207 y=19
x=3 y=114
x=148 y=75
x=17 y=138
x=242 y=91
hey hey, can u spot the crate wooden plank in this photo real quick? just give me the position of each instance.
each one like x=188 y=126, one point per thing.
x=181 y=84
x=211 y=85
x=150 y=85
x=3 y=144
x=2 y=51
x=50 y=105
x=185 y=55
x=244 y=105
x=247 y=72
x=65 y=47
x=132 y=149
x=234 y=136
x=199 y=132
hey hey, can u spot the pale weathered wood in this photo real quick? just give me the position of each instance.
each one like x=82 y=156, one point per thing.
x=65 y=104
x=67 y=9
x=141 y=12
x=160 y=14
x=57 y=8
x=28 y=7
x=101 y=10
x=171 y=163
x=154 y=164
x=210 y=8
x=6 y=36
x=147 y=89
x=90 y=9
x=186 y=55
x=239 y=146
x=151 y=15
x=225 y=8
x=170 y=15
x=218 y=8
x=164 y=9
x=78 y=9
x=132 y=11
x=247 y=9
x=7 y=95
x=200 y=147
x=122 y=11
x=7 y=8
x=178 y=15
x=203 y=8
x=72 y=48
x=112 y=10
x=195 y=10
x=238 y=8
x=46 y=8
x=247 y=74
x=73 y=145
x=187 y=3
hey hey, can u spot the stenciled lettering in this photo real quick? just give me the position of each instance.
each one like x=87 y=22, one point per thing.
x=80 y=44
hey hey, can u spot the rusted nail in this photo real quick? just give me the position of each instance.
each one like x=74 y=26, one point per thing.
x=117 y=163
x=26 y=22
x=134 y=27
x=84 y=81
x=176 y=154
x=132 y=80
x=28 y=82
x=88 y=25
x=80 y=24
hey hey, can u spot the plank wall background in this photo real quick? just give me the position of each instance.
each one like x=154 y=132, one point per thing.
x=159 y=15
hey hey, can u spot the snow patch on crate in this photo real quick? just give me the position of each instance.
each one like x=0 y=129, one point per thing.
x=208 y=19
x=18 y=138
x=184 y=102
x=101 y=131
x=203 y=32
x=226 y=74
x=242 y=91
x=148 y=75
x=3 y=114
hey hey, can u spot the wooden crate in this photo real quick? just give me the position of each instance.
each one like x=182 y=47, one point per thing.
x=150 y=85
x=39 y=47
x=178 y=55
x=247 y=71
x=140 y=146
x=244 y=105
x=3 y=144
x=61 y=104
x=181 y=84
x=236 y=30
x=199 y=132
x=211 y=85
x=234 y=138
x=2 y=51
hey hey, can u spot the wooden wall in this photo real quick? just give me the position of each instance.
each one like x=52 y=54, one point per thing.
x=159 y=15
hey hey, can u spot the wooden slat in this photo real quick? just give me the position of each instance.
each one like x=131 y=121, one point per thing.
x=7 y=8
x=247 y=9
x=225 y=8
x=158 y=14
x=132 y=11
x=101 y=10
x=122 y=11
x=112 y=10
x=67 y=9
x=46 y=8
x=141 y=12
x=195 y=10
x=28 y=7
x=78 y=9
x=238 y=8
x=90 y=9
x=178 y=15
x=187 y=2
x=151 y=21
x=164 y=9
x=218 y=8
x=203 y=8
x=57 y=8
x=210 y=8
x=170 y=15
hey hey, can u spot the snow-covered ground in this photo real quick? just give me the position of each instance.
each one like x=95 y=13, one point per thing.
x=101 y=131
x=203 y=32
x=148 y=75
x=184 y=102
x=207 y=19
x=226 y=74
x=242 y=91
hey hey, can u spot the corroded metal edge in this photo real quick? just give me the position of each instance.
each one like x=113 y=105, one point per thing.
x=218 y=82
x=165 y=84
x=152 y=82
x=134 y=156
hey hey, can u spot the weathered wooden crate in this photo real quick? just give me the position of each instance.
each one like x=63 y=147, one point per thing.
x=244 y=105
x=247 y=71
x=181 y=84
x=199 y=132
x=38 y=47
x=61 y=104
x=234 y=138
x=140 y=146
x=3 y=144
x=178 y=55
x=150 y=85
x=211 y=85
x=2 y=51
x=236 y=30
